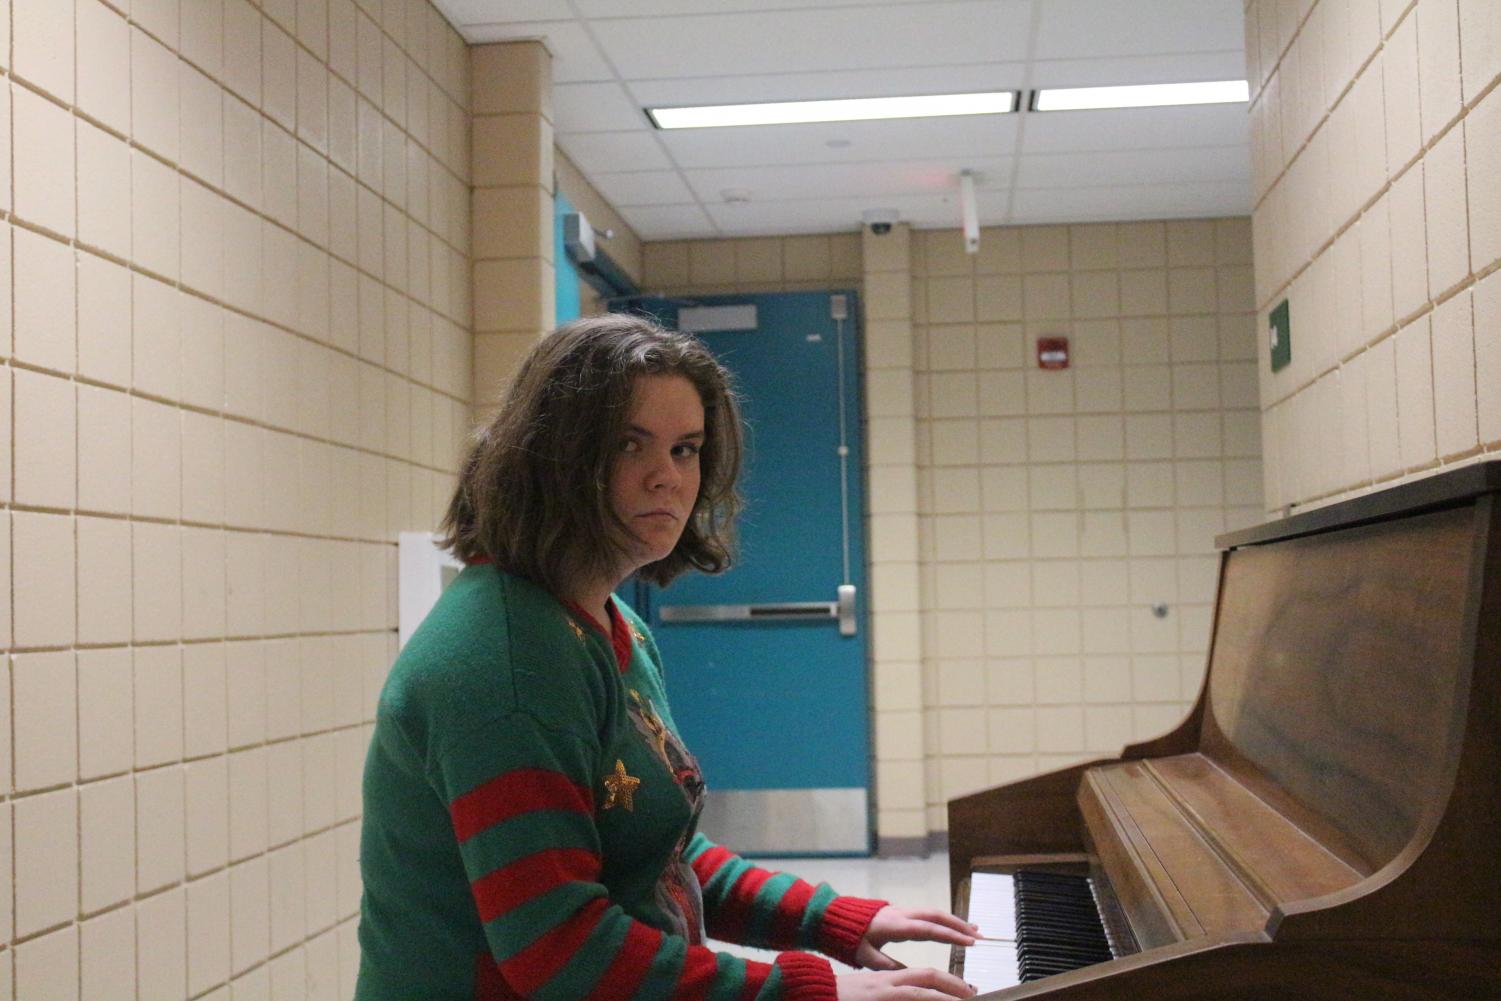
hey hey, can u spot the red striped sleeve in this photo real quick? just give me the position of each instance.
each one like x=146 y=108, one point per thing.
x=787 y=919
x=731 y=916
x=631 y=964
x=535 y=965
x=489 y=985
x=699 y=969
x=520 y=791
x=708 y=863
x=512 y=885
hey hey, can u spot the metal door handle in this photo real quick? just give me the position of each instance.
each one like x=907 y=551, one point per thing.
x=842 y=610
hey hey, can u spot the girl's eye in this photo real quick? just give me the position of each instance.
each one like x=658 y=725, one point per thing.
x=685 y=450
x=630 y=445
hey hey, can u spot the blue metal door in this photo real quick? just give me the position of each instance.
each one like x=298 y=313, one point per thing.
x=766 y=664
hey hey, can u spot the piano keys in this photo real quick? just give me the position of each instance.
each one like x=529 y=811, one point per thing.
x=1034 y=923
x=1322 y=825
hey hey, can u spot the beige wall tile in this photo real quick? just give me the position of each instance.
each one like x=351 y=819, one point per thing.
x=1488 y=357
x=154 y=95
x=205 y=688
x=106 y=821
x=1399 y=62
x=104 y=450
x=46 y=860
x=1454 y=371
x=155 y=213
x=1482 y=136
x=201 y=28
x=48 y=964
x=1415 y=394
x=512 y=150
x=43 y=171
x=1445 y=213
x=103 y=191
x=1409 y=256
x=1480 y=45
x=107 y=945
x=512 y=77
x=45 y=699
x=1438 y=65
x=159 y=827
x=44 y=54
x=208 y=932
x=42 y=551
x=45 y=417
x=162 y=944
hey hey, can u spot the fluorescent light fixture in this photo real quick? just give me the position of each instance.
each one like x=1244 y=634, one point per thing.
x=1153 y=95
x=856 y=109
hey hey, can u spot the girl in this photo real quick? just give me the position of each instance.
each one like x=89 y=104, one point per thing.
x=530 y=812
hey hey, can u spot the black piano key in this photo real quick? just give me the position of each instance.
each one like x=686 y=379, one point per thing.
x=1058 y=925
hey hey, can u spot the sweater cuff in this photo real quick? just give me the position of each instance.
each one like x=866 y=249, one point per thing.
x=844 y=923
x=806 y=977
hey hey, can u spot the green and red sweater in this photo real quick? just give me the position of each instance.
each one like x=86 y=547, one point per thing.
x=529 y=826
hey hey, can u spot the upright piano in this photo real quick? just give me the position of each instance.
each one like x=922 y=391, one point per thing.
x=1325 y=823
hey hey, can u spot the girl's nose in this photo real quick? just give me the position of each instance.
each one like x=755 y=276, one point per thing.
x=664 y=474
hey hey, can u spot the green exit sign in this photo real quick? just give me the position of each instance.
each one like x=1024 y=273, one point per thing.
x=1279 y=337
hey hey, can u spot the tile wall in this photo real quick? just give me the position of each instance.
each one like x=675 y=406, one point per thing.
x=1056 y=507
x=752 y=264
x=236 y=362
x=1376 y=134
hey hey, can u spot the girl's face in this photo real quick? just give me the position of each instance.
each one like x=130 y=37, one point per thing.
x=654 y=482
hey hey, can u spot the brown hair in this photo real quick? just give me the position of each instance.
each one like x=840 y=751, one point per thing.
x=533 y=492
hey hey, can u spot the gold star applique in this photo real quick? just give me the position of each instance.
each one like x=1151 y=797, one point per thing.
x=637 y=634
x=578 y=630
x=621 y=788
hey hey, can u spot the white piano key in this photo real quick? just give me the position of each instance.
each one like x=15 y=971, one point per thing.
x=992 y=905
x=990 y=966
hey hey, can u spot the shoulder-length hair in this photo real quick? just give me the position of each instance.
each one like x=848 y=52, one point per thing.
x=533 y=494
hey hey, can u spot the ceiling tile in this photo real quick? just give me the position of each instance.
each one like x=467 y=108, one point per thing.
x=1067 y=170
x=1187 y=67
x=843 y=214
x=644 y=187
x=574 y=56
x=801 y=41
x=658 y=8
x=898 y=139
x=595 y=107
x=818 y=181
x=1070 y=29
x=1138 y=128
x=816 y=86
x=668 y=222
x=611 y=151
x=465 y=12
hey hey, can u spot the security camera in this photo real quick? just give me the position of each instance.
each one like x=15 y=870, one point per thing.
x=880 y=221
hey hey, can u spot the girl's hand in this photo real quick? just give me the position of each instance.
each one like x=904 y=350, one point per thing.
x=902 y=985
x=898 y=924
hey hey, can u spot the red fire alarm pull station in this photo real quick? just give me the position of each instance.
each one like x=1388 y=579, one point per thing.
x=1052 y=352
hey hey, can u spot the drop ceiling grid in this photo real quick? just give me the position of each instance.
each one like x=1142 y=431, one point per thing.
x=614 y=57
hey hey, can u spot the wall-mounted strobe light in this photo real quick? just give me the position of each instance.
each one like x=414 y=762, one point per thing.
x=856 y=109
x=971 y=212
x=1154 y=95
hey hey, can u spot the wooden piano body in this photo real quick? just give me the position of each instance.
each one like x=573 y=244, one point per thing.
x=1326 y=823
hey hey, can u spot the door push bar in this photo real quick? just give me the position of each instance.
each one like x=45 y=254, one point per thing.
x=842 y=610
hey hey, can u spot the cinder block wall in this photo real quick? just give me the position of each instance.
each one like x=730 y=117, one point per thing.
x=1376 y=133
x=234 y=243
